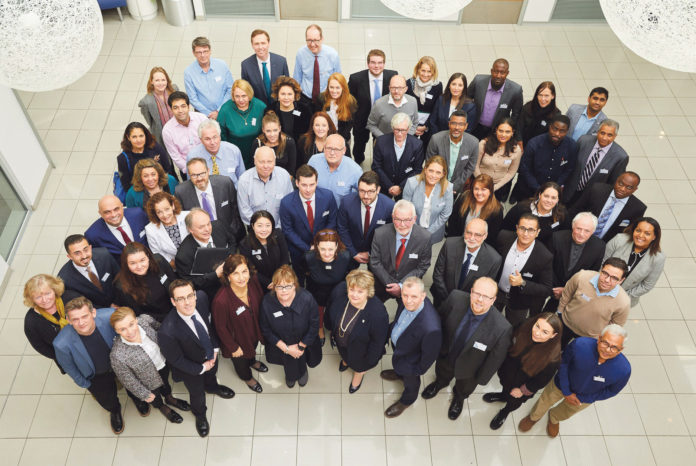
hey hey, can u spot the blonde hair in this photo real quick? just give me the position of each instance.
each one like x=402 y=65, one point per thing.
x=284 y=274
x=39 y=282
x=119 y=314
x=361 y=279
x=441 y=161
x=244 y=85
x=427 y=60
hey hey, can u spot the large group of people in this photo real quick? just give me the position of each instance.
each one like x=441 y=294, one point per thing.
x=249 y=222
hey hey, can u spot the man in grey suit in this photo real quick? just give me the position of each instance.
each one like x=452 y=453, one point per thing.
x=496 y=97
x=475 y=341
x=599 y=160
x=399 y=250
x=264 y=67
x=459 y=148
x=586 y=119
x=463 y=260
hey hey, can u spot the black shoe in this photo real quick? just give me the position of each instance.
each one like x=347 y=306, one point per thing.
x=389 y=374
x=222 y=392
x=352 y=389
x=171 y=415
x=493 y=397
x=289 y=383
x=341 y=367
x=322 y=341
x=455 y=409
x=431 y=390
x=116 y=422
x=262 y=367
x=178 y=403
x=498 y=420
x=395 y=410
x=202 y=426
x=303 y=379
x=143 y=408
x=255 y=388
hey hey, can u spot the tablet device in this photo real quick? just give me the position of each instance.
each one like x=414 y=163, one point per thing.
x=208 y=259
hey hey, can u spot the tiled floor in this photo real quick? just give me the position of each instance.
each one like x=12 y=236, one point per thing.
x=45 y=419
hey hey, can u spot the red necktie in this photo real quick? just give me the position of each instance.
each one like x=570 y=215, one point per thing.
x=316 y=79
x=310 y=216
x=366 y=227
x=400 y=253
x=126 y=239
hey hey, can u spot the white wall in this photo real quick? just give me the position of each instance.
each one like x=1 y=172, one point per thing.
x=538 y=11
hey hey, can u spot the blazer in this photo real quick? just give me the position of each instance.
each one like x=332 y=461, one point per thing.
x=457 y=222
x=466 y=159
x=394 y=172
x=225 y=195
x=415 y=261
x=613 y=164
x=434 y=92
x=359 y=86
x=448 y=268
x=295 y=223
x=180 y=346
x=591 y=257
x=547 y=226
x=133 y=366
x=575 y=111
x=439 y=117
x=157 y=303
x=99 y=235
x=349 y=221
x=440 y=206
x=301 y=115
x=107 y=268
x=252 y=74
x=644 y=276
x=593 y=199
x=344 y=126
x=537 y=272
x=149 y=111
x=41 y=333
x=266 y=260
x=72 y=354
x=511 y=100
x=418 y=346
x=159 y=240
x=487 y=347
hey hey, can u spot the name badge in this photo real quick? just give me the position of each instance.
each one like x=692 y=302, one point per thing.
x=381 y=222
x=218 y=79
x=441 y=204
x=554 y=225
x=279 y=196
x=624 y=223
x=503 y=105
x=163 y=279
x=507 y=162
x=528 y=275
x=598 y=378
x=408 y=169
x=142 y=233
x=106 y=275
x=603 y=171
x=473 y=267
x=543 y=122
x=253 y=121
x=278 y=314
x=464 y=157
x=341 y=183
x=296 y=112
x=326 y=212
x=256 y=251
x=328 y=267
x=480 y=346
x=240 y=309
x=584 y=296
x=563 y=162
x=413 y=256
x=428 y=96
x=224 y=203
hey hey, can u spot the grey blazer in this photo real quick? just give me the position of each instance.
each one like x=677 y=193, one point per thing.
x=225 y=196
x=575 y=111
x=466 y=162
x=415 y=261
x=148 y=107
x=643 y=278
x=133 y=366
x=440 y=207
x=511 y=100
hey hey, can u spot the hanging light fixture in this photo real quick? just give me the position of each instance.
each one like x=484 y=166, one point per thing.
x=425 y=9
x=48 y=44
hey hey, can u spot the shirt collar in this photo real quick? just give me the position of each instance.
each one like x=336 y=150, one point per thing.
x=456 y=144
x=268 y=60
x=208 y=189
x=614 y=292
x=526 y=251
x=590 y=119
x=403 y=101
x=490 y=88
x=143 y=336
x=304 y=201
x=399 y=237
x=604 y=149
x=210 y=66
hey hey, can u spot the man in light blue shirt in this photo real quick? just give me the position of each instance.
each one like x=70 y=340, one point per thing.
x=315 y=59
x=587 y=119
x=337 y=173
x=208 y=80
x=222 y=158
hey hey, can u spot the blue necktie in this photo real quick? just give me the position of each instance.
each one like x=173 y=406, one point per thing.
x=465 y=270
x=377 y=92
x=204 y=338
x=604 y=217
x=266 y=80
x=460 y=337
x=206 y=206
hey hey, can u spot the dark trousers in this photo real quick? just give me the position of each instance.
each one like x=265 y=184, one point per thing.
x=294 y=368
x=512 y=403
x=514 y=316
x=567 y=336
x=242 y=366
x=444 y=373
x=361 y=135
x=197 y=386
x=103 y=388
x=163 y=391
x=411 y=388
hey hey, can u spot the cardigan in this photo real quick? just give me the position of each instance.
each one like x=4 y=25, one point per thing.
x=502 y=169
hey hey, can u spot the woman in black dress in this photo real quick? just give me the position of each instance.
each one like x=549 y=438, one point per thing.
x=477 y=202
x=546 y=206
x=293 y=112
x=265 y=247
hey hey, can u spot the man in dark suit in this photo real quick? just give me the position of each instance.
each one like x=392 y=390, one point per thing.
x=303 y=214
x=463 y=260
x=90 y=271
x=203 y=235
x=360 y=214
x=615 y=207
x=264 y=67
x=367 y=86
x=117 y=226
x=474 y=344
x=574 y=250
x=397 y=156
x=496 y=97
x=599 y=160
x=416 y=336
x=215 y=194
x=188 y=342
x=525 y=277
x=399 y=250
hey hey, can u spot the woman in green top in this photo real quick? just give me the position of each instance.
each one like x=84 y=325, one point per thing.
x=240 y=119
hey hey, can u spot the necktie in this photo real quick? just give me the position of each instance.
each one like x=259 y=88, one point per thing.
x=316 y=79
x=465 y=270
x=400 y=253
x=460 y=338
x=203 y=337
x=366 y=226
x=604 y=217
x=216 y=170
x=209 y=245
x=266 y=79
x=94 y=279
x=126 y=238
x=377 y=92
x=310 y=216
x=589 y=169
x=206 y=205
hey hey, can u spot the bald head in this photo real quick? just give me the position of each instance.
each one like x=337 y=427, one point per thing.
x=397 y=88
x=475 y=234
x=334 y=149
x=111 y=210
x=264 y=161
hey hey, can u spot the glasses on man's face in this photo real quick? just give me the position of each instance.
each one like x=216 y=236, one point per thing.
x=606 y=346
x=474 y=234
x=397 y=88
x=526 y=231
x=187 y=298
x=605 y=275
x=367 y=192
x=334 y=150
x=402 y=220
x=197 y=175
x=399 y=130
x=284 y=287
x=313 y=41
x=475 y=295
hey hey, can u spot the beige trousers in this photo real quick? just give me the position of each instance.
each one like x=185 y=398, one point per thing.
x=549 y=397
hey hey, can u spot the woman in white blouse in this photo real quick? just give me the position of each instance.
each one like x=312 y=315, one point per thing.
x=431 y=194
x=499 y=157
x=166 y=229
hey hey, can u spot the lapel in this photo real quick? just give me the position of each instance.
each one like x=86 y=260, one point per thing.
x=186 y=330
x=391 y=245
x=79 y=278
x=531 y=261
x=80 y=349
x=299 y=204
x=405 y=159
x=414 y=326
x=458 y=253
x=481 y=90
x=607 y=160
x=218 y=195
x=385 y=83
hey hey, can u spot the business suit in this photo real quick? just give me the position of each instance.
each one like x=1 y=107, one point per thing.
x=350 y=223
x=510 y=104
x=466 y=159
x=593 y=199
x=107 y=268
x=575 y=111
x=612 y=165
x=99 y=234
x=394 y=172
x=252 y=73
x=159 y=240
x=439 y=117
x=440 y=206
x=359 y=86
x=448 y=268
x=150 y=112
x=225 y=195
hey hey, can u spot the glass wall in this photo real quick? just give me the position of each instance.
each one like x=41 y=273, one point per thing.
x=12 y=215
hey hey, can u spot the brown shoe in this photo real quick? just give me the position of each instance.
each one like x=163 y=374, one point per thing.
x=395 y=409
x=389 y=374
x=526 y=424
x=552 y=429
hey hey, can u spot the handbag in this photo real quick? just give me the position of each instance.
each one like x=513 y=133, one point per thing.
x=119 y=190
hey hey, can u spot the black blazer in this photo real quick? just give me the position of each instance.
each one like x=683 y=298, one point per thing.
x=301 y=116
x=286 y=160
x=107 y=268
x=157 y=303
x=429 y=105
x=359 y=86
x=418 y=346
x=547 y=225
x=266 y=260
x=590 y=259
x=456 y=222
x=40 y=332
x=252 y=74
x=537 y=272
x=439 y=117
x=344 y=126
x=392 y=172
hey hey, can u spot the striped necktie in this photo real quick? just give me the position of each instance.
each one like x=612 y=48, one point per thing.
x=589 y=169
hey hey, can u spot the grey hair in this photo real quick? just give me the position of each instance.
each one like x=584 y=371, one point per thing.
x=615 y=329
x=588 y=215
x=188 y=220
x=414 y=281
x=485 y=223
x=399 y=118
x=403 y=204
x=209 y=123
x=611 y=123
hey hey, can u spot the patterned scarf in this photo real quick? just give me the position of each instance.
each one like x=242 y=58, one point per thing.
x=60 y=311
x=420 y=89
x=165 y=113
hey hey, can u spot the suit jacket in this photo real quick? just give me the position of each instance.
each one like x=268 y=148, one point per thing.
x=394 y=172
x=575 y=111
x=439 y=117
x=418 y=346
x=225 y=196
x=448 y=268
x=99 y=235
x=359 y=86
x=511 y=100
x=590 y=258
x=72 y=354
x=349 y=222
x=440 y=206
x=159 y=240
x=537 y=272
x=107 y=268
x=150 y=112
x=468 y=155
x=252 y=73
x=295 y=223
x=415 y=261
x=612 y=165
x=593 y=199
x=180 y=346
x=487 y=347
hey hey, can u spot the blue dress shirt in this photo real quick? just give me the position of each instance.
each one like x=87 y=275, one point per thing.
x=228 y=159
x=404 y=321
x=340 y=182
x=614 y=292
x=583 y=125
x=208 y=91
x=253 y=194
x=304 y=68
x=618 y=207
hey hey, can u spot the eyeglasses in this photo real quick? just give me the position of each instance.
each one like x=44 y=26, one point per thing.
x=187 y=298
x=334 y=149
x=367 y=191
x=402 y=220
x=475 y=235
x=526 y=231
x=608 y=347
x=397 y=88
x=606 y=275
x=457 y=124
x=477 y=295
x=284 y=287
x=197 y=175
x=313 y=41
x=398 y=130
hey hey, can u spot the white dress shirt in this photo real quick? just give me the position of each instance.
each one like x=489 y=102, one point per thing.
x=515 y=260
x=150 y=348
x=268 y=67
x=363 y=210
x=312 y=202
x=85 y=270
x=126 y=227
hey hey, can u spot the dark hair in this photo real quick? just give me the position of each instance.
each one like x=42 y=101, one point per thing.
x=309 y=135
x=537 y=356
x=282 y=81
x=528 y=216
x=178 y=95
x=179 y=283
x=73 y=239
x=599 y=90
x=78 y=303
x=156 y=199
x=306 y=171
x=231 y=263
x=551 y=107
x=369 y=177
x=149 y=139
x=654 y=247
x=272 y=117
x=618 y=263
x=328 y=234
x=492 y=145
x=447 y=95
x=492 y=205
x=628 y=172
x=132 y=284
x=560 y=118
x=459 y=113
x=559 y=211
x=255 y=243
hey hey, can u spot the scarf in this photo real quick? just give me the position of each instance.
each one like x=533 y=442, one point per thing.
x=60 y=310
x=420 y=88
x=165 y=112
